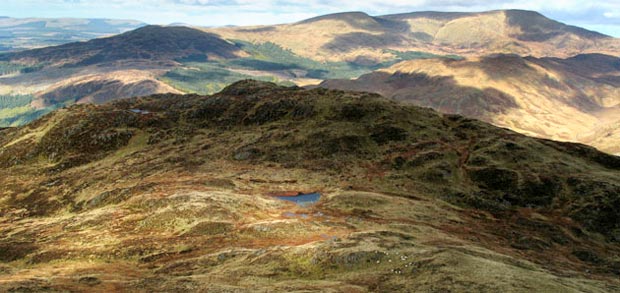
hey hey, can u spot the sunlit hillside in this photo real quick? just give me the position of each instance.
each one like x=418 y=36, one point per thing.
x=576 y=99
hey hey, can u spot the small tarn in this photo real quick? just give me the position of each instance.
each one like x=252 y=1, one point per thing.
x=302 y=199
x=140 y=111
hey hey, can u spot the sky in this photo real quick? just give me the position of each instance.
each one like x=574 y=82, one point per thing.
x=602 y=16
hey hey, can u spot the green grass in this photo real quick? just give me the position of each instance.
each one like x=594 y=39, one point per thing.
x=12 y=117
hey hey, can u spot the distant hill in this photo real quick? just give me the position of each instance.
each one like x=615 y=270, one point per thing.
x=28 y=33
x=529 y=25
x=101 y=87
x=575 y=99
x=355 y=36
x=149 y=60
x=152 y=43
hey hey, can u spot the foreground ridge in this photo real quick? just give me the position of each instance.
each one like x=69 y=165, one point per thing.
x=174 y=192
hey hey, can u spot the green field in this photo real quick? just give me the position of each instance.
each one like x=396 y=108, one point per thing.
x=15 y=110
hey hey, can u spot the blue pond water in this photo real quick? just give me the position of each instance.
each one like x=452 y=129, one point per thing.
x=303 y=200
x=140 y=111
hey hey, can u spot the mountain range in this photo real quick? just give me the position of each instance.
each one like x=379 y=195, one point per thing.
x=418 y=152
x=358 y=37
x=28 y=33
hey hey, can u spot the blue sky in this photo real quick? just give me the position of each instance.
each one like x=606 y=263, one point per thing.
x=603 y=16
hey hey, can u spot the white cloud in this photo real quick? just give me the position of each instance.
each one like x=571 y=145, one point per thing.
x=612 y=14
